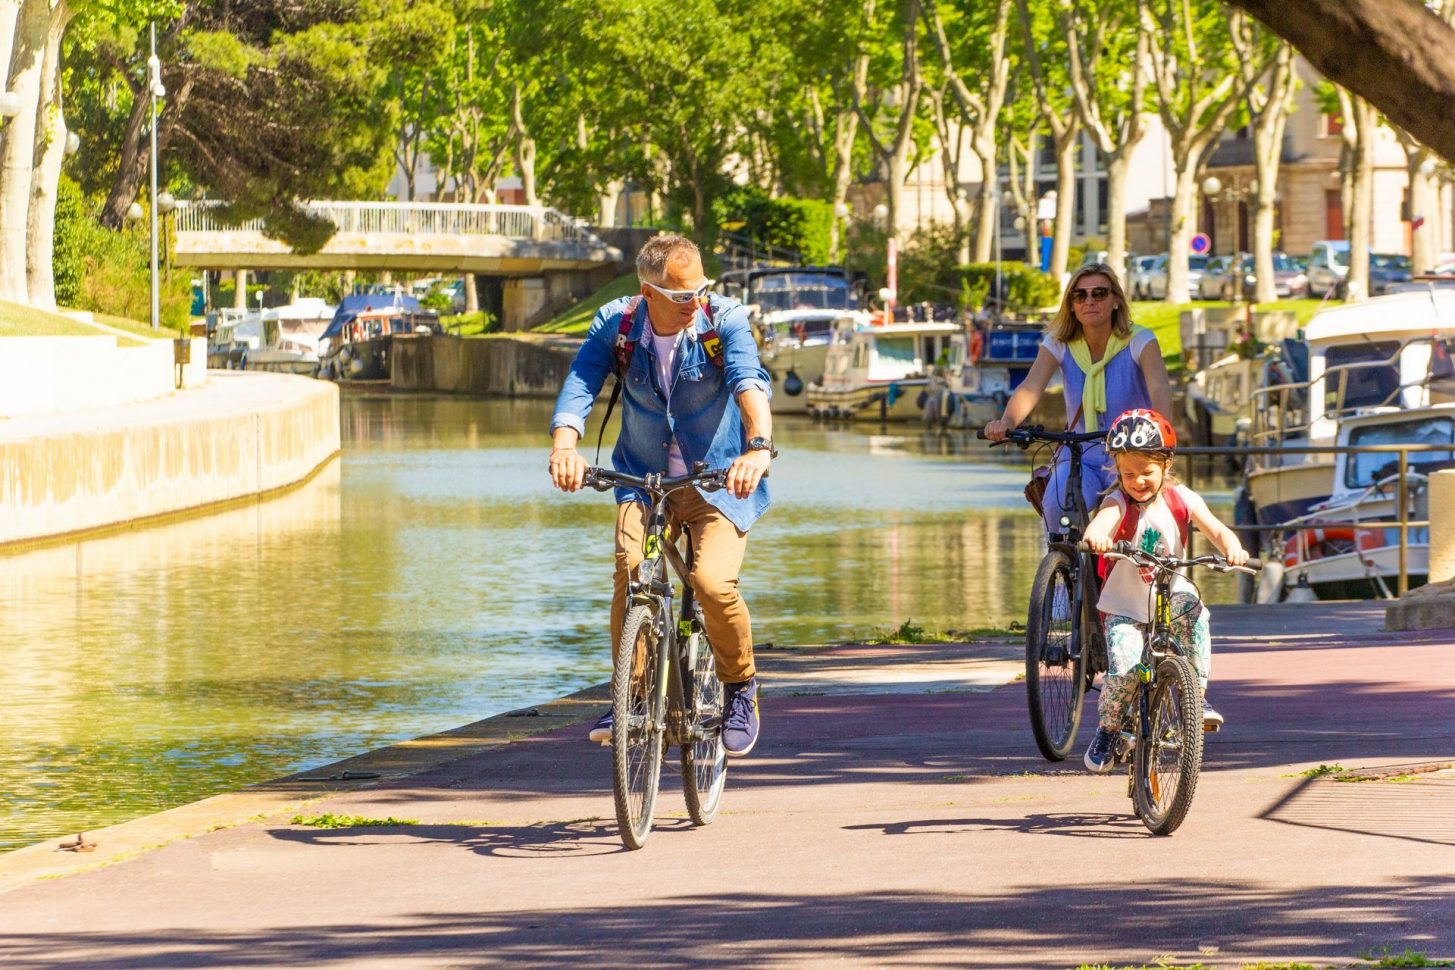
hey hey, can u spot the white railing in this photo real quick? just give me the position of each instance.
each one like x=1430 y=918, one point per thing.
x=414 y=218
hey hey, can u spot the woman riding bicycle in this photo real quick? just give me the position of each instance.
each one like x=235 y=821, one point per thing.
x=1154 y=512
x=1107 y=366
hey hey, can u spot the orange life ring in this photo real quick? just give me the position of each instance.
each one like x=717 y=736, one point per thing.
x=977 y=345
x=1315 y=543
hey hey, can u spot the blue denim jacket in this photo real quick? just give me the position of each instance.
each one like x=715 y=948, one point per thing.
x=704 y=414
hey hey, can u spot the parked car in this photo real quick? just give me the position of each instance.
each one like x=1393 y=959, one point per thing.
x=1156 y=285
x=1137 y=269
x=1386 y=271
x=1234 y=278
x=1328 y=265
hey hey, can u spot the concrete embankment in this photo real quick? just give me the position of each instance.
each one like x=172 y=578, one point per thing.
x=237 y=435
x=515 y=366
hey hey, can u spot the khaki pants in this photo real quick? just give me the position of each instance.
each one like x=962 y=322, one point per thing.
x=718 y=549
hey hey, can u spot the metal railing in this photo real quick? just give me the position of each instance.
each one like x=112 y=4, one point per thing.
x=414 y=218
x=1402 y=523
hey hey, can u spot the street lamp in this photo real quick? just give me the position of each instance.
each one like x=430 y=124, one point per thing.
x=73 y=143
x=10 y=104
x=156 y=90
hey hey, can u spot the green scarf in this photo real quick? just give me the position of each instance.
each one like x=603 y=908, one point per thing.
x=1093 y=393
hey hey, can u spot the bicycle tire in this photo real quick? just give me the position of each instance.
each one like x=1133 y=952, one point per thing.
x=637 y=729
x=704 y=761
x=1055 y=657
x=1172 y=756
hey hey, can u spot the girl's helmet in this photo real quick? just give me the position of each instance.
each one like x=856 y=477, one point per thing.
x=1141 y=429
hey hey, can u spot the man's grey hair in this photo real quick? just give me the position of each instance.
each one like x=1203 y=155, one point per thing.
x=659 y=251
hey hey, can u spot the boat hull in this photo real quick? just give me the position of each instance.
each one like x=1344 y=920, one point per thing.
x=888 y=401
x=1288 y=491
x=805 y=362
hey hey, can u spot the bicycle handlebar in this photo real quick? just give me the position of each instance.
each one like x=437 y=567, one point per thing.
x=603 y=479
x=1025 y=437
x=1125 y=550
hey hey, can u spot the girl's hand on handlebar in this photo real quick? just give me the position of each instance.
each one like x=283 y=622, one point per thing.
x=1237 y=555
x=997 y=430
x=1098 y=544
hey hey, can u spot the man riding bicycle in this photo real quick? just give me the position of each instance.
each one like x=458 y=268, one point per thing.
x=693 y=390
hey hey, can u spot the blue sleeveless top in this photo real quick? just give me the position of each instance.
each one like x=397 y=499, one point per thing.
x=1126 y=387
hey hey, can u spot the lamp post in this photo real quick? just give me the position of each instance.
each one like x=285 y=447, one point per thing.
x=1212 y=187
x=890 y=292
x=155 y=90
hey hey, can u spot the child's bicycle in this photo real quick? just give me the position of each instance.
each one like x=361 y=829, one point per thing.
x=1161 y=738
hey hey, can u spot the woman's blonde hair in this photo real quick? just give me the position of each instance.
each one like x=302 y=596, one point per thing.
x=1066 y=328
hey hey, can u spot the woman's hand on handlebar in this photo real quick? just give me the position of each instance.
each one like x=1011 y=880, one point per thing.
x=568 y=469
x=997 y=430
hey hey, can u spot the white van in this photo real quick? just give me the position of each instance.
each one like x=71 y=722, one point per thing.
x=1328 y=266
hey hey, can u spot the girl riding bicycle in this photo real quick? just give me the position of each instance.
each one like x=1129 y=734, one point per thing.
x=1149 y=508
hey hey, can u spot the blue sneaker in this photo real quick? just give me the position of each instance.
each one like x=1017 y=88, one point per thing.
x=601 y=730
x=740 y=717
x=1098 y=756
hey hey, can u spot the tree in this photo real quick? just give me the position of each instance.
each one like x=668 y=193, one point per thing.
x=889 y=109
x=1109 y=64
x=1268 y=97
x=1046 y=59
x=1198 y=88
x=1359 y=119
x=1403 y=62
x=978 y=53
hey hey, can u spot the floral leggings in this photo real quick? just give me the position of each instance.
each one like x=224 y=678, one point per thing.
x=1124 y=651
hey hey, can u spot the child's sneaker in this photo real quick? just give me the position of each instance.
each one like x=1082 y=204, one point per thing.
x=1099 y=755
x=1211 y=719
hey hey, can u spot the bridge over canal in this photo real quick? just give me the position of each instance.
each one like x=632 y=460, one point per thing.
x=542 y=256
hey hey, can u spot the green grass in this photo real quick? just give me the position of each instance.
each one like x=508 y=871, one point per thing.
x=20 y=320
x=1165 y=320
x=468 y=324
x=328 y=820
x=578 y=318
x=1319 y=772
x=1409 y=958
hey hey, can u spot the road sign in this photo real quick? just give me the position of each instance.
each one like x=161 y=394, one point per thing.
x=1200 y=243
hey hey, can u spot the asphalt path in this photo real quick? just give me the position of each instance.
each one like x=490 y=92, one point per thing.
x=895 y=814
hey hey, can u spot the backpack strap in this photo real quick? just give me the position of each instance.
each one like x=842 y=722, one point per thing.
x=1181 y=514
x=711 y=342
x=622 y=350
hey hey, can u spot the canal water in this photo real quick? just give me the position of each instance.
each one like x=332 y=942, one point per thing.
x=429 y=578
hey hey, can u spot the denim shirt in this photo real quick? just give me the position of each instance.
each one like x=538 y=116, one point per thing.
x=704 y=415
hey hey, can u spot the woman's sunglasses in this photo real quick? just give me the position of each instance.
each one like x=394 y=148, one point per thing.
x=682 y=296
x=1097 y=293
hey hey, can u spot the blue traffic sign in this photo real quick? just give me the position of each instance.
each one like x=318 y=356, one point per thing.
x=1200 y=243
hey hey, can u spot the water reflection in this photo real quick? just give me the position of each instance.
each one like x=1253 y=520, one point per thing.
x=428 y=578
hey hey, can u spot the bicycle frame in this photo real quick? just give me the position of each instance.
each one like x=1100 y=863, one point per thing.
x=1086 y=584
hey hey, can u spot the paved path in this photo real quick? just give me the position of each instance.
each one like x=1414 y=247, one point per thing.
x=875 y=826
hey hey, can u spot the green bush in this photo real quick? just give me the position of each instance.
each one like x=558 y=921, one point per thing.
x=799 y=225
x=1025 y=285
x=109 y=272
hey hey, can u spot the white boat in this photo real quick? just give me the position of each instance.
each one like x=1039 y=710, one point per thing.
x=285 y=338
x=985 y=366
x=1346 y=546
x=878 y=372
x=794 y=311
x=1387 y=353
x=224 y=350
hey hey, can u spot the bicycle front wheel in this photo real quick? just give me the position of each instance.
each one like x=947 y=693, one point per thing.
x=1167 y=762
x=1054 y=685
x=637 y=729
x=704 y=759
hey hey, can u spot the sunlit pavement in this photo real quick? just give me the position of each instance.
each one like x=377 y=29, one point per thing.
x=884 y=820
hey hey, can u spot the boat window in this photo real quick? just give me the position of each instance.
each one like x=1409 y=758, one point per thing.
x=1372 y=378
x=802 y=291
x=860 y=353
x=898 y=349
x=1364 y=469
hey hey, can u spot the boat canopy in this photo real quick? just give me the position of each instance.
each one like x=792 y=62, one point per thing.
x=351 y=306
x=1399 y=313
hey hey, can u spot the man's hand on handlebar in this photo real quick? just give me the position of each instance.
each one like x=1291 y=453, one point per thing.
x=568 y=469
x=746 y=471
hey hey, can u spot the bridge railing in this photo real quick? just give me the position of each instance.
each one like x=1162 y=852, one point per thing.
x=414 y=218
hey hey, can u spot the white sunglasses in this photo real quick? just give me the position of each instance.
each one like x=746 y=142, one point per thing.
x=682 y=296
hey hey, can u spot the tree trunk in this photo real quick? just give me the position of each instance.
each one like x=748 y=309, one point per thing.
x=17 y=152
x=1268 y=125
x=987 y=200
x=240 y=296
x=845 y=131
x=50 y=152
x=1179 y=241
x=1066 y=147
x=609 y=197
x=1424 y=201
x=1403 y=61
x=525 y=150
x=472 y=294
x=131 y=169
x=1116 y=215
x=9 y=16
x=1361 y=201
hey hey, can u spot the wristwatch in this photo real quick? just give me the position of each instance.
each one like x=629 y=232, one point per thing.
x=763 y=444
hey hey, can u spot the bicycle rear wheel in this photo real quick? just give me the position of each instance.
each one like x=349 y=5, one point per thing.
x=637 y=730
x=1166 y=763
x=1054 y=658
x=704 y=760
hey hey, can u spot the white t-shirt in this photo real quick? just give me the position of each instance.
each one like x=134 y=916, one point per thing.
x=1127 y=592
x=666 y=350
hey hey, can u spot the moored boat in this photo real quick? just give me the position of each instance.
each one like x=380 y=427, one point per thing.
x=878 y=372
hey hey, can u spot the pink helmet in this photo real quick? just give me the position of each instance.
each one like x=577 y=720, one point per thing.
x=1140 y=429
